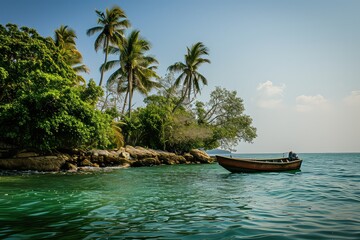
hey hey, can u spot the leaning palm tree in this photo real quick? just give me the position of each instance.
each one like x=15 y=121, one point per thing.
x=136 y=69
x=118 y=136
x=189 y=74
x=65 y=40
x=111 y=26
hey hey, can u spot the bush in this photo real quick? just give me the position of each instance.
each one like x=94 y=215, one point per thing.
x=41 y=105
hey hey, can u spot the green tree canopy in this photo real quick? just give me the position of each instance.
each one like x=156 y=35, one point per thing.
x=41 y=106
x=224 y=114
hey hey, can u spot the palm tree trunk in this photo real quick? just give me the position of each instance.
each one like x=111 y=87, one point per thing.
x=181 y=100
x=130 y=84
x=125 y=101
x=106 y=57
x=107 y=94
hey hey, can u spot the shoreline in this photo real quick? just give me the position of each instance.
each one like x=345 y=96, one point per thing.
x=93 y=160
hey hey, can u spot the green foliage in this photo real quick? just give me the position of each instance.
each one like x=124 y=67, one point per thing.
x=224 y=114
x=117 y=136
x=40 y=104
x=91 y=93
x=155 y=126
x=185 y=133
x=146 y=126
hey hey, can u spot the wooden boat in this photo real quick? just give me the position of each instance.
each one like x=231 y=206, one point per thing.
x=237 y=165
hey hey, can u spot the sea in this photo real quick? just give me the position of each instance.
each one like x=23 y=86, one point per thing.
x=321 y=201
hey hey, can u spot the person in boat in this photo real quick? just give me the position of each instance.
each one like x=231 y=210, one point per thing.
x=293 y=156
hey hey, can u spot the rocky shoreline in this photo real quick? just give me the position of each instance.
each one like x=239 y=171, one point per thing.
x=79 y=160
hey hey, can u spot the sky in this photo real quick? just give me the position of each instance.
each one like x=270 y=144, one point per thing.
x=296 y=64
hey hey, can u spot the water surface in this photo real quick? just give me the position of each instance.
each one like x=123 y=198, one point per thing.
x=322 y=201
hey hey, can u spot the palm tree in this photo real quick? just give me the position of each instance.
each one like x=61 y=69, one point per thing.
x=65 y=40
x=118 y=136
x=111 y=26
x=189 y=71
x=136 y=69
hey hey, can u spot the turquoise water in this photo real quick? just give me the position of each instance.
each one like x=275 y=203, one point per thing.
x=322 y=201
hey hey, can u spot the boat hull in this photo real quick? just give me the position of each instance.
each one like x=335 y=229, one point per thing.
x=237 y=165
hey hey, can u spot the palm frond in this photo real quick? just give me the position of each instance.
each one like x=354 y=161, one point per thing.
x=94 y=30
x=81 y=68
x=177 y=67
x=99 y=42
x=117 y=133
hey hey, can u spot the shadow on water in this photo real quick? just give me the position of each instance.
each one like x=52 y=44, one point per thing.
x=230 y=174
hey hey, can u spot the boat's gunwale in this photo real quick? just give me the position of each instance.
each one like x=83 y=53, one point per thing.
x=261 y=161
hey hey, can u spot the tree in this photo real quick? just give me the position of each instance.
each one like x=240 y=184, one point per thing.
x=40 y=104
x=111 y=26
x=65 y=40
x=136 y=69
x=224 y=114
x=189 y=74
x=155 y=126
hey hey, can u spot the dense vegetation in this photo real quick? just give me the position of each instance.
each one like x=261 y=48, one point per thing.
x=45 y=104
x=42 y=104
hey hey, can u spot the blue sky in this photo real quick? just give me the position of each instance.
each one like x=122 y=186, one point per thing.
x=295 y=63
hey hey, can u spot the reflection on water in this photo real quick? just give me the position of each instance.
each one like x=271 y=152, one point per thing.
x=186 y=202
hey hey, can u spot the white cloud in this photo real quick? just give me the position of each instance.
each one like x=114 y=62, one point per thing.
x=308 y=103
x=269 y=95
x=271 y=90
x=353 y=99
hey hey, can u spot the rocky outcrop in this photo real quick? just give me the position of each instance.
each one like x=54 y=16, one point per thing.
x=140 y=152
x=170 y=158
x=38 y=163
x=77 y=160
x=201 y=156
x=145 y=162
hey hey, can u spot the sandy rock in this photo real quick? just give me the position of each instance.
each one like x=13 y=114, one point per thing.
x=201 y=156
x=170 y=158
x=125 y=155
x=140 y=152
x=86 y=163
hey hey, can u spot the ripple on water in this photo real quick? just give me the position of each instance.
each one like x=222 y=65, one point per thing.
x=185 y=202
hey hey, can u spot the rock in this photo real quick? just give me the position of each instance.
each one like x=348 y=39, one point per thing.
x=189 y=158
x=86 y=163
x=97 y=159
x=170 y=158
x=26 y=154
x=39 y=163
x=140 y=152
x=89 y=169
x=70 y=167
x=125 y=155
x=116 y=161
x=201 y=156
x=146 y=162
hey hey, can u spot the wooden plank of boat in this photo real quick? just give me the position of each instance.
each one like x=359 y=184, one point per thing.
x=237 y=165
